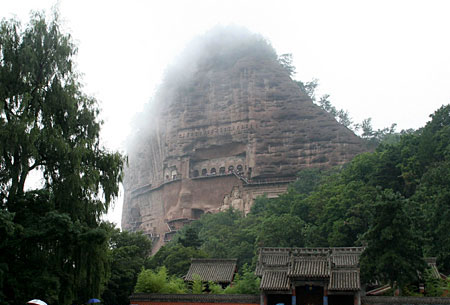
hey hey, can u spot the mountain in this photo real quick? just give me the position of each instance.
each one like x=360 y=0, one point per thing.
x=227 y=124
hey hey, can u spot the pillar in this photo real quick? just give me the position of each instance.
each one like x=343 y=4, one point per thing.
x=263 y=299
x=357 y=298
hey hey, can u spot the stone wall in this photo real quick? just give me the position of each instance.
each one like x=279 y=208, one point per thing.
x=384 y=300
x=193 y=299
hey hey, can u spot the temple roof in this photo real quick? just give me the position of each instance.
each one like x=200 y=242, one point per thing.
x=345 y=280
x=212 y=269
x=275 y=280
x=345 y=259
x=312 y=266
x=337 y=266
x=272 y=257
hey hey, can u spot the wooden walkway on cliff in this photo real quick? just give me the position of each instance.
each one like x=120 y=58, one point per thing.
x=247 y=182
x=268 y=180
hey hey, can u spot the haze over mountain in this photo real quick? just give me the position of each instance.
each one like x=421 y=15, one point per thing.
x=227 y=124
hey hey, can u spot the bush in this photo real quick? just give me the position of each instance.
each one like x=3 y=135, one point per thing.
x=150 y=281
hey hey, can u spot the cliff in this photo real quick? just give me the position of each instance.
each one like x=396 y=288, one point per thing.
x=226 y=126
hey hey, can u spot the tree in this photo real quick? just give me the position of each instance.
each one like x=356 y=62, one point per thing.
x=158 y=282
x=309 y=88
x=285 y=61
x=434 y=287
x=432 y=212
x=375 y=137
x=56 y=246
x=309 y=179
x=175 y=257
x=197 y=285
x=190 y=238
x=247 y=283
x=128 y=253
x=179 y=259
x=281 y=231
x=393 y=252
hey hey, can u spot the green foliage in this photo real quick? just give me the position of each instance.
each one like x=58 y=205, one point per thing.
x=375 y=137
x=247 y=283
x=308 y=180
x=227 y=235
x=215 y=288
x=53 y=244
x=309 y=88
x=281 y=231
x=128 y=253
x=393 y=253
x=190 y=238
x=197 y=285
x=149 y=281
x=410 y=290
x=342 y=116
x=433 y=211
x=434 y=287
x=175 y=257
x=285 y=60
x=338 y=213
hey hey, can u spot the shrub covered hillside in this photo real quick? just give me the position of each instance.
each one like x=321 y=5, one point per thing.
x=395 y=201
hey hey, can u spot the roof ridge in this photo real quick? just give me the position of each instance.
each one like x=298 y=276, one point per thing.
x=214 y=259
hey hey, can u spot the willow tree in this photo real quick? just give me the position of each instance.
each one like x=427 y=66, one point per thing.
x=53 y=244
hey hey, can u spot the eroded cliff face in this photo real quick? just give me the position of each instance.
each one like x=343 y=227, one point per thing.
x=233 y=128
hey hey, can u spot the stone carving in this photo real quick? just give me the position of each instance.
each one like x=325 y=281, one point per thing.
x=226 y=203
x=237 y=202
x=240 y=110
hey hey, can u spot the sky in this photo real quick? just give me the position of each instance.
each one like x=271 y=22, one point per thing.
x=387 y=60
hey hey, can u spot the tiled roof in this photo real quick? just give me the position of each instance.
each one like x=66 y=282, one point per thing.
x=270 y=257
x=347 y=250
x=279 y=266
x=309 y=266
x=345 y=259
x=259 y=270
x=301 y=251
x=275 y=259
x=344 y=280
x=215 y=270
x=274 y=280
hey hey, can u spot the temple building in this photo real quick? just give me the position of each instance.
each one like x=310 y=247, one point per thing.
x=217 y=270
x=305 y=276
x=294 y=276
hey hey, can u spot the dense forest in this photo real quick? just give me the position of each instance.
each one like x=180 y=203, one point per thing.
x=395 y=201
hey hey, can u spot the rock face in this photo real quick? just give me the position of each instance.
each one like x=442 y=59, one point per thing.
x=235 y=126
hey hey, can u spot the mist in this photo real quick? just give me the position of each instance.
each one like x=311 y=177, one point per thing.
x=219 y=46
